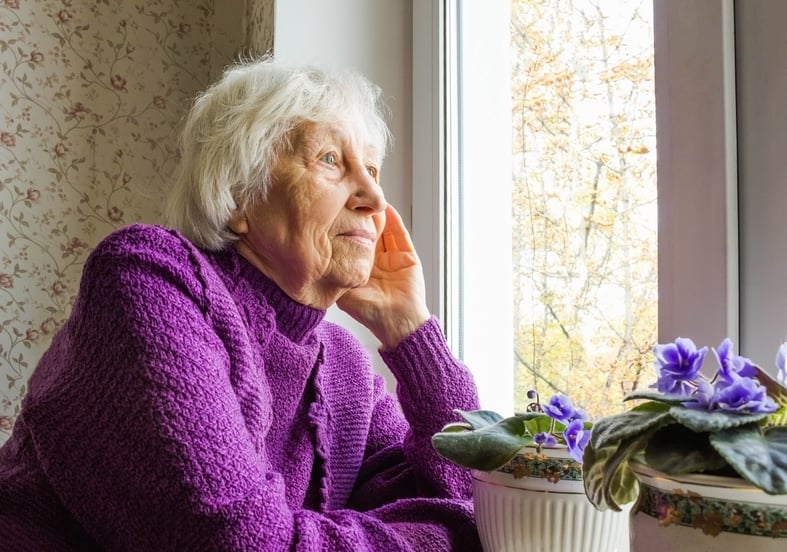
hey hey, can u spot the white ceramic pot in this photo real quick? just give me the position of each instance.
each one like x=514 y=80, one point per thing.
x=698 y=513
x=537 y=503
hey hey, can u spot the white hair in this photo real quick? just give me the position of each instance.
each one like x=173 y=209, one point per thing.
x=235 y=130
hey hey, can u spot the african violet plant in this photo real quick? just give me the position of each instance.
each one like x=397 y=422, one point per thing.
x=732 y=424
x=486 y=441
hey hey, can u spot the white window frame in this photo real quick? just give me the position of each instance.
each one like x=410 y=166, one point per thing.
x=441 y=162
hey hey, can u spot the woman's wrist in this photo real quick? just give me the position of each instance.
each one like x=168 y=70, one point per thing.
x=398 y=328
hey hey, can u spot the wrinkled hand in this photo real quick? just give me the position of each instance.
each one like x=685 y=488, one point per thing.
x=392 y=304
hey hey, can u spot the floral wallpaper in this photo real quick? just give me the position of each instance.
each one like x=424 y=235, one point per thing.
x=91 y=94
x=259 y=26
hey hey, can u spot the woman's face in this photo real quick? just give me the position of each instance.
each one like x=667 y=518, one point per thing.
x=315 y=232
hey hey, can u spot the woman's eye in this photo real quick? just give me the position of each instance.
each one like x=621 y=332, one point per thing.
x=329 y=158
x=372 y=171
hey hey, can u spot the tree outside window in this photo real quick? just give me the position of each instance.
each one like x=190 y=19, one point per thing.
x=584 y=203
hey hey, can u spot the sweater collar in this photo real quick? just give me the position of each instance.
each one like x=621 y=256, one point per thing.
x=294 y=320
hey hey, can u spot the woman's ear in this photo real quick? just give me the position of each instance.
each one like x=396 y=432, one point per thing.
x=238 y=222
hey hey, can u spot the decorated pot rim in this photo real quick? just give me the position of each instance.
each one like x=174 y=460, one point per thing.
x=711 y=486
x=713 y=504
x=640 y=467
x=553 y=464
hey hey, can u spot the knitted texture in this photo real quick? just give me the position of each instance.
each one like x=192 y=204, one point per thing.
x=189 y=404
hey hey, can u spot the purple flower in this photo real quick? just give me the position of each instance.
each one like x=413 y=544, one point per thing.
x=545 y=439
x=561 y=409
x=781 y=362
x=704 y=396
x=730 y=363
x=580 y=414
x=744 y=395
x=677 y=365
x=577 y=438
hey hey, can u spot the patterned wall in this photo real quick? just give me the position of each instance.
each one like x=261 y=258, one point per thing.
x=259 y=26
x=91 y=93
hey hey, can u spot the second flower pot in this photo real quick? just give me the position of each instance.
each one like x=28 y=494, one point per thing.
x=695 y=513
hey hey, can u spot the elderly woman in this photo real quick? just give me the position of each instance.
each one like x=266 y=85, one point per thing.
x=197 y=399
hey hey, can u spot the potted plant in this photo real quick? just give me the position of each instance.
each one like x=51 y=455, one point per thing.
x=528 y=492
x=703 y=457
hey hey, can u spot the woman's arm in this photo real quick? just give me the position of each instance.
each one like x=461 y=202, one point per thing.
x=400 y=460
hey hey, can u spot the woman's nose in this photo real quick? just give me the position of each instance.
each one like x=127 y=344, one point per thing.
x=367 y=193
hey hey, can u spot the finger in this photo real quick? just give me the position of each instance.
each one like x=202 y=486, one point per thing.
x=395 y=226
x=380 y=222
x=389 y=241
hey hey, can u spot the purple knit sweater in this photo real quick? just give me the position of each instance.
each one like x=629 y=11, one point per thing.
x=189 y=404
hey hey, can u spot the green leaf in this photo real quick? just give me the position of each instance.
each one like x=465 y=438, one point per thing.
x=621 y=485
x=700 y=420
x=529 y=415
x=608 y=479
x=457 y=426
x=593 y=462
x=675 y=449
x=759 y=458
x=658 y=397
x=617 y=427
x=479 y=418
x=540 y=424
x=486 y=448
x=779 y=418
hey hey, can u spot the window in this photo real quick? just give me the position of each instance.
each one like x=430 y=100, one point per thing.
x=697 y=192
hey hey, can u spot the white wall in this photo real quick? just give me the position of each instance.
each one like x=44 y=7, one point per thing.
x=695 y=127
x=762 y=175
x=375 y=38
x=722 y=125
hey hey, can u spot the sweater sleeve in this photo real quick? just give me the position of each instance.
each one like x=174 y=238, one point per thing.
x=400 y=459
x=138 y=427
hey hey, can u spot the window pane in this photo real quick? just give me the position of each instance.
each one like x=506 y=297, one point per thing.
x=584 y=199
x=578 y=179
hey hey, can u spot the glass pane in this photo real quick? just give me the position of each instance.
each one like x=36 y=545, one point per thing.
x=584 y=199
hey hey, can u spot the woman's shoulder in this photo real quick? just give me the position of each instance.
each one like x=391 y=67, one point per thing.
x=148 y=252
x=147 y=245
x=140 y=238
